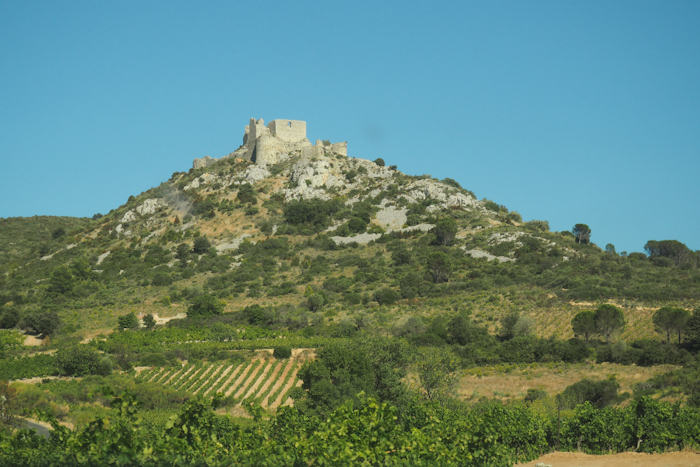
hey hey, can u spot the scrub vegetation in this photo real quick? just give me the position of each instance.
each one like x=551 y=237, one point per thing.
x=233 y=323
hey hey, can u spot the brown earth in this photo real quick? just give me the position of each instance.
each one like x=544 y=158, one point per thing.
x=631 y=459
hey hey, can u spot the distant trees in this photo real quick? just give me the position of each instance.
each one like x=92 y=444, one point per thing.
x=582 y=233
x=79 y=360
x=42 y=322
x=608 y=320
x=246 y=194
x=674 y=250
x=61 y=281
x=671 y=320
x=128 y=321
x=440 y=266
x=515 y=325
x=201 y=245
x=583 y=324
x=445 y=231
x=379 y=161
x=205 y=305
x=605 y=321
x=149 y=321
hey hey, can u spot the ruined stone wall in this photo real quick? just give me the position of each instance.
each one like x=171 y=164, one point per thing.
x=264 y=144
x=320 y=150
x=288 y=130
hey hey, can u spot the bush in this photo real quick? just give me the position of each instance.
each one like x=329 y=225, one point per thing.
x=79 y=360
x=9 y=317
x=256 y=315
x=599 y=393
x=128 y=321
x=282 y=352
x=386 y=296
x=43 y=322
x=205 y=305
x=149 y=321
x=201 y=245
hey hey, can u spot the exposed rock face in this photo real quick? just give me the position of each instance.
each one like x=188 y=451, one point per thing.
x=151 y=206
x=476 y=253
x=432 y=189
x=391 y=218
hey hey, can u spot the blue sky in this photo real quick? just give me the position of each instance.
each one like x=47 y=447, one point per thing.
x=571 y=112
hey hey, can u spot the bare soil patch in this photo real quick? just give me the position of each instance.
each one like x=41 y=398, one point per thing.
x=509 y=382
x=629 y=459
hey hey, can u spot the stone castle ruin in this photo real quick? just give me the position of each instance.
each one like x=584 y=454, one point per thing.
x=265 y=144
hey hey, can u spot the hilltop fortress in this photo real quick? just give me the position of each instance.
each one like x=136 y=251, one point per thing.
x=264 y=144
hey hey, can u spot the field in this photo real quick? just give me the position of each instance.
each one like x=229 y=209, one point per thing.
x=262 y=379
x=509 y=382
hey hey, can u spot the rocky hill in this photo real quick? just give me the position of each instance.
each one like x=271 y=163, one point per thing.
x=310 y=233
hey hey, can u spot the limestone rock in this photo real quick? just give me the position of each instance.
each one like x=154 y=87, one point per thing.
x=128 y=216
x=151 y=206
x=391 y=218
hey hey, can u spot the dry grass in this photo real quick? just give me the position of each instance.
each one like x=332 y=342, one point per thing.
x=512 y=382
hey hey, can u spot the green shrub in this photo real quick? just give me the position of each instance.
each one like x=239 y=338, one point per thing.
x=79 y=360
x=205 y=305
x=282 y=352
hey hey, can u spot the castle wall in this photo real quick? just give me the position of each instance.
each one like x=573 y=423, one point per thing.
x=264 y=144
x=288 y=130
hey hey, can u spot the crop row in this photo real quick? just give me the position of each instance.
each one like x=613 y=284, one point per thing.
x=266 y=381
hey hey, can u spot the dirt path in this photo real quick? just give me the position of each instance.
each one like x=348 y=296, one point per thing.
x=292 y=381
x=627 y=459
x=238 y=381
x=231 y=377
x=218 y=379
x=253 y=374
x=207 y=382
x=259 y=381
x=265 y=388
x=287 y=368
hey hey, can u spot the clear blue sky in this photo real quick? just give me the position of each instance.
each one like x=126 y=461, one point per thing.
x=571 y=112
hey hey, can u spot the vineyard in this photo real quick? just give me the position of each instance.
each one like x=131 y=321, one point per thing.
x=263 y=379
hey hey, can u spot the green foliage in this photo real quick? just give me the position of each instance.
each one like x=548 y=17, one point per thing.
x=440 y=266
x=357 y=225
x=9 y=317
x=445 y=231
x=583 y=324
x=201 y=245
x=677 y=252
x=42 y=321
x=598 y=393
x=436 y=370
x=205 y=305
x=128 y=321
x=379 y=161
x=28 y=367
x=608 y=320
x=671 y=320
x=246 y=194
x=282 y=352
x=149 y=321
x=514 y=325
x=316 y=214
x=386 y=296
x=61 y=281
x=8 y=408
x=582 y=233
x=78 y=360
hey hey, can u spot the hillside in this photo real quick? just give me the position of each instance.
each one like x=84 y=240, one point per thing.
x=305 y=289
x=315 y=230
